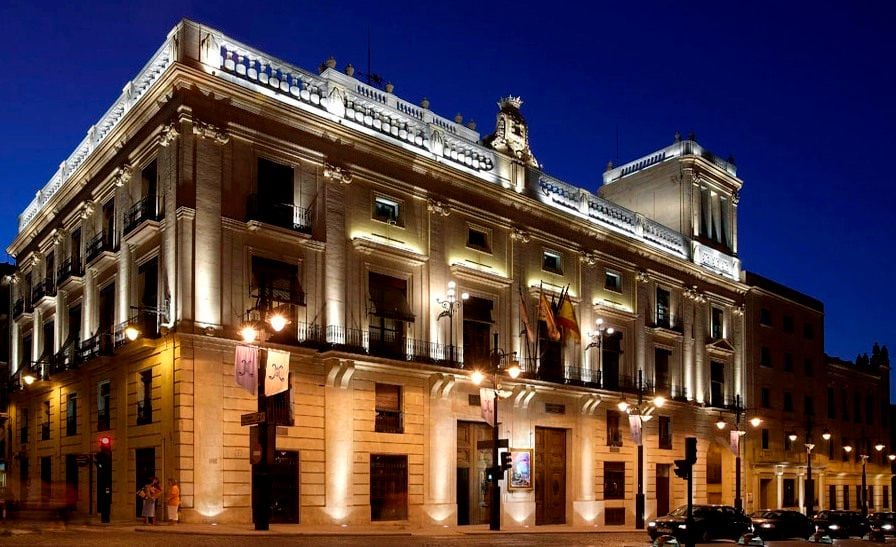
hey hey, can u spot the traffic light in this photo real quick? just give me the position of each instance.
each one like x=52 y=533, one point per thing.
x=490 y=474
x=506 y=461
x=683 y=469
x=103 y=458
x=690 y=449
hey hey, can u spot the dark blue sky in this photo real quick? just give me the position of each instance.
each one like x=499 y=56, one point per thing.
x=802 y=95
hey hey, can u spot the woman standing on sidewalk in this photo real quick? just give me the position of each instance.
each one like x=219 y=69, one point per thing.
x=150 y=494
x=173 y=500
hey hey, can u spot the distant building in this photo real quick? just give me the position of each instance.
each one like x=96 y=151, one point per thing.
x=226 y=187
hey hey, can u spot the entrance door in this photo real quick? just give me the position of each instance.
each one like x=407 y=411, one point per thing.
x=550 y=476
x=662 y=489
x=71 y=480
x=472 y=488
x=46 y=480
x=145 y=469
x=388 y=487
x=765 y=494
x=285 y=487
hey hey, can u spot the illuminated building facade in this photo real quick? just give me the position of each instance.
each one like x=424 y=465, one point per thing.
x=225 y=184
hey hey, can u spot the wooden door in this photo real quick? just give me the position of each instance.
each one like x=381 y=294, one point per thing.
x=550 y=476
x=662 y=489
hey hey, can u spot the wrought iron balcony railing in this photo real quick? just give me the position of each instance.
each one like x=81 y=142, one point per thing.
x=140 y=212
x=284 y=215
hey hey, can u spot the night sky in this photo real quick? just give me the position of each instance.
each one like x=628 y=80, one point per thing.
x=802 y=95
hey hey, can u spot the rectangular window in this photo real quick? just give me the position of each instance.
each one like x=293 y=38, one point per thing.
x=614 y=435
x=27 y=344
x=765 y=439
x=389 y=311
x=71 y=415
x=808 y=405
x=275 y=282
x=765 y=358
x=788 y=401
x=103 y=405
x=663 y=316
x=788 y=362
x=808 y=331
x=614 y=480
x=717 y=322
x=765 y=317
x=45 y=424
x=47 y=335
x=844 y=407
x=23 y=425
x=717 y=384
x=479 y=238
x=787 y=323
x=387 y=210
x=665 y=432
x=832 y=404
x=808 y=369
x=846 y=497
x=869 y=409
x=389 y=418
x=274 y=200
x=766 y=397
x=148 y=291
x=552 y=262
x=612 y=281
x=886 y=496
x=75 y=254
x=789 y=493
x=661 y=368
x=74 y=325
x=832 y=497
x=477 y=328
x=871 y=505
x=144 y=397
x=857 y=408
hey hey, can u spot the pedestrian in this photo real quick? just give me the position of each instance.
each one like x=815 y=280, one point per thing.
x=150 y=495
x=173 y=501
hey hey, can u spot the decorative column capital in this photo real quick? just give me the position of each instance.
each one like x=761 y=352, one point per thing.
x=438 y=208
x=208 y=131
x=87 y=209
x=735 y=198
x=642 y=276
x=589 y=258
x=168 y=134
x=520 y=235
x=337 y=174
x=692 y=293
x=122 y=175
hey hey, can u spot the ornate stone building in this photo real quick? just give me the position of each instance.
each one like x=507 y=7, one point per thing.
x=226 y=186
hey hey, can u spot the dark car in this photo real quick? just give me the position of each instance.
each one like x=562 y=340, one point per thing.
x=882 y=523
x=781 y=524
x=710 y=522
x=841 y=524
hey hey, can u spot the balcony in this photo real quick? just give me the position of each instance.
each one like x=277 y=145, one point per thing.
x=141 y=222
x=43 y=294
x=668 y=323
x=21 y=308
x=389 y=421
x=282 y=215
x=100 y=251
x=66 y=358
x=70 y=274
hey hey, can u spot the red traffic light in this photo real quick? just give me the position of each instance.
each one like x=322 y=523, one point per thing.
x=105 y=442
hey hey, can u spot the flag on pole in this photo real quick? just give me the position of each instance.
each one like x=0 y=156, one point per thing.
x=524 y=316
x=566 y=318
x=547 y=314
x=487 y=400
x=634 y=423
x=276 y=375
x=734 y=441
x=245 y=368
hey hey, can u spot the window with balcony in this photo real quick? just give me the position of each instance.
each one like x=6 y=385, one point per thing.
x=664 y=427
x=23 y=425
x=26 y=359
x=389 y=417
x=387 y=210
x=552 y=262
x=663 y=314
x=614 y=434
x=47 y=331
x=477 y=327
x=146 y=208
x=274 y=201
x=717 y=384
x=149 y=312
x=612 y=281
x=103 y=339
x=71 y=415
x=389 y=313
x=479 y=238
x=144 y=397
x=103 y=406
x=661 y=358
x=717 y=323
x=614 y=480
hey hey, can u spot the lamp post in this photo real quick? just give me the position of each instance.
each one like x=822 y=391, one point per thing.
x=450 y=304
x=597 y=341
x=810 y=485
x=755 y=421
x=512 y=370
x=250 y=332
x=643 y=410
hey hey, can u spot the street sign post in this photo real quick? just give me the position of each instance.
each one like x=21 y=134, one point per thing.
x=253 y=418
x=485 y=445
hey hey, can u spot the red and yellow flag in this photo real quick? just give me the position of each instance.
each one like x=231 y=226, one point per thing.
x=546 y=314
x=566 y=318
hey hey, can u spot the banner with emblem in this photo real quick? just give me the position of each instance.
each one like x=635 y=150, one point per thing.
x=634 y=423
x=245 y=368
x=734 y=441
x=487 y=401
x=276 y=375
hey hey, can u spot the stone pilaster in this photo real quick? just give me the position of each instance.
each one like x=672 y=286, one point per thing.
x=338 y=445
x=440 y=503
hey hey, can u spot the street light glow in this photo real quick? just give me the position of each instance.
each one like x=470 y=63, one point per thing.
x=248 y=333
x=476 y=377
x=278 y=322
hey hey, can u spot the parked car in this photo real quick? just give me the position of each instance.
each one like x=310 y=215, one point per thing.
x=882 y=523
x=781 y=524
x=710 y=522
x=840 y=524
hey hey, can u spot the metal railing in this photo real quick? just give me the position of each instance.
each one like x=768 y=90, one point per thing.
x=389 y=421
x=143 y=210
x=68 y=269
x=284 y=215
x=44 y=287
x=99 y=244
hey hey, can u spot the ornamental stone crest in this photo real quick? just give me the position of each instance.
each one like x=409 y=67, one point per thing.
x=520 y=235
x=337 y=174
x=511 y=134
x=438 y=208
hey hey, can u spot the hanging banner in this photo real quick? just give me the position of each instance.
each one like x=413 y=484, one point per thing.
x=487 y=401
x=276 y=376
x=734 y=442
x=245 y=368
x=634 y=423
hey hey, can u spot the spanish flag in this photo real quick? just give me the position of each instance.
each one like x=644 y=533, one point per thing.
x=546 y=314
x=566 y=318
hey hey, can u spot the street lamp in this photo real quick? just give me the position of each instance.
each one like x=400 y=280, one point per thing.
x=644 y=412
x=597 y=341
x=755 y=421
x=513 y=371
x=450 y=304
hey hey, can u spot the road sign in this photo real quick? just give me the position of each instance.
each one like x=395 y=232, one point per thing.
x=482 y=445
x=253 y=418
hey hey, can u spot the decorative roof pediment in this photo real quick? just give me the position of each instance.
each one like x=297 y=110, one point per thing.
x=721 y=345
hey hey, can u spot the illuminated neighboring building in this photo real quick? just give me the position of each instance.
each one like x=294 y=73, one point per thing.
x=226 y=185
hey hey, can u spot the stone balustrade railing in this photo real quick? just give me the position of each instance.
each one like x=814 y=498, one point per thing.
x=674 y=150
